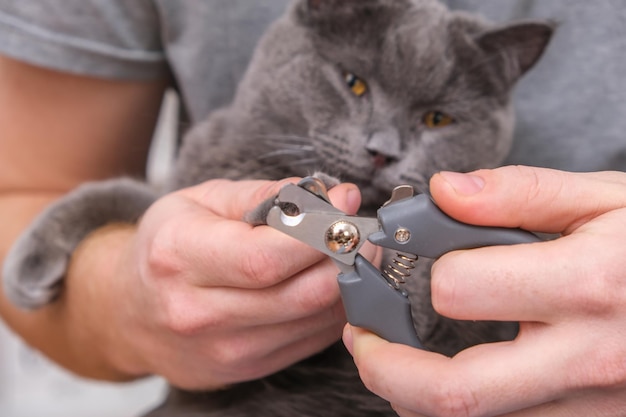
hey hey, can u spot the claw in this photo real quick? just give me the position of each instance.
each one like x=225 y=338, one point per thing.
x=315 y=186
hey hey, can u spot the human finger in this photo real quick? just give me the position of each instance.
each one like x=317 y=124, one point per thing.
x=234 y=199
x=309 y=293
x=329 y=321
x=543 y=281
x=524 y=374
x=536 y=199
x=218 y=251
x=508 y=282
x=403 y=412
x=233 y=367
x=596 y=403
x=313 y=291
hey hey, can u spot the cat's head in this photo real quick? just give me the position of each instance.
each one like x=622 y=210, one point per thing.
x=387 y=92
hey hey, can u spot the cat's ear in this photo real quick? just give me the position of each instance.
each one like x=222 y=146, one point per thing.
x=516 y=47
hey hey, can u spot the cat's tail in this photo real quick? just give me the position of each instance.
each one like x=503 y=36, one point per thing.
x=35 y=266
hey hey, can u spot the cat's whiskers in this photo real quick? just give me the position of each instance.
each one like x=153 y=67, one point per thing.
x=307 y=161
x=282 y=136
x=285 y=139
x=285 y=152
x=285 y=168
x=283 y=146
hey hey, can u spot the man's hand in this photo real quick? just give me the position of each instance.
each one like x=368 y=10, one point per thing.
x=568 y=294
x=198 y=296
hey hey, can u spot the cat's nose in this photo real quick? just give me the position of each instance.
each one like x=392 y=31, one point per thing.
x=384 y=147
x=379 y=160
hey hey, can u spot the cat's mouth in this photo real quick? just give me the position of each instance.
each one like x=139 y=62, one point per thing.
x=379 y=160
x=375 y=188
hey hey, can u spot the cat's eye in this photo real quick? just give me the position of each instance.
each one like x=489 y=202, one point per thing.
x=356 y=85
x=437 y=119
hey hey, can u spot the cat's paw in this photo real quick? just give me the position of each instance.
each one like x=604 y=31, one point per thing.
x=328 y=180
x=34 y=268
x=36 y=264
x=258 y=216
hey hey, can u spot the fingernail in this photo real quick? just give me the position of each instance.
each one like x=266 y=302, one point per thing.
x=348 y=340
x=464 y=184
x=353 y=200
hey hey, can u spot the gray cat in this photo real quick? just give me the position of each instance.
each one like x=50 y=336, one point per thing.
x=375 y=92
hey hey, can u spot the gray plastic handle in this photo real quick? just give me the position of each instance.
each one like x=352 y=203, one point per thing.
x=433 y=233
x=370 y=302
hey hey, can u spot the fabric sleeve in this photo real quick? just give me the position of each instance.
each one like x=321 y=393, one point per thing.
x=104 y=38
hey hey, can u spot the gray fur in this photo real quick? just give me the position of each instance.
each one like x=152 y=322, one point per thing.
x=293 y=115
x=34 y=268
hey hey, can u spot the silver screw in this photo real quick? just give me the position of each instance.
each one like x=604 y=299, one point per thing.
x=342 y=237
x=402 y=235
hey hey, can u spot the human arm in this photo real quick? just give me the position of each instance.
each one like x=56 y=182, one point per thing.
x=227 y=303
x=567 y=294
x=58 y=130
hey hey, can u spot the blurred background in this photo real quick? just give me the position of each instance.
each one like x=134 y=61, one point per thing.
x=32 y=386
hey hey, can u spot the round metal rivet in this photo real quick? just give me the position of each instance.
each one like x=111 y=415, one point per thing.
x=342 y=237
x=402 y=235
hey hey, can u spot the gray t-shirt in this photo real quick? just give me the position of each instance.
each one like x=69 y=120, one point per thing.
x=204 y=45
x=571 y=107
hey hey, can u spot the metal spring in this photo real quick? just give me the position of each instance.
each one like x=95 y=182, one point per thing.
x=400 y=269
